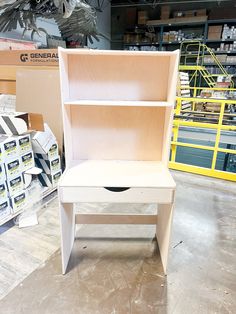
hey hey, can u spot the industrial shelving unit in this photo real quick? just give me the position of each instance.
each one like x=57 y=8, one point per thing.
x=160 y=29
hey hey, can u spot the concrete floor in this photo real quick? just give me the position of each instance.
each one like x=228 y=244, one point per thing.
x=117 y=269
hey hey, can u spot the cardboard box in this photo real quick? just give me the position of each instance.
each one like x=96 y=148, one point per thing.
x=52 y=153
x=13 y=167
x=130 y=17
x=165 y=37
x=49 y=166
x=165 y=12
x=178 y=14
x=19 y=201
x=24 y=144
x=9 y=147
x=2 y=173
x=21 y=123
x=48 y=180
x=15 y=185
x=189 y=13
x=201 y=12
x=142 y=17
x=27 y=161
x=214 y=32
x=1 y=150
x=3 y=190
x=222 y=58
x=5 y=209
x=43 y=141
x=39 y=57
x=172 y=37
x=214 y=28
x=30 y=175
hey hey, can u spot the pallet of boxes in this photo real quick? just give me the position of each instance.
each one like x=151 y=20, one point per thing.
x=18 y=168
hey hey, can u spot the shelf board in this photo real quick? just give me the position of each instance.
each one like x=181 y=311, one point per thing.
x=141 y=44
x=223 y=63
x=132 y=103
x=171 y=42
x=115 y=173
x=221 y=21
x=221 y=52
x=219 y=40
x=176 y=42
x=178 y=21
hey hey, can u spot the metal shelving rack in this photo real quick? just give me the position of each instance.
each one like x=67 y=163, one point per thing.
x=162 y=27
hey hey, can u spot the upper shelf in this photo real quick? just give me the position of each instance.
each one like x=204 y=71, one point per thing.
x=117 y=76
x=118 y=103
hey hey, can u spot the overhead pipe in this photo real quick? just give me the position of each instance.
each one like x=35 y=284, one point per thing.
x=165 y=3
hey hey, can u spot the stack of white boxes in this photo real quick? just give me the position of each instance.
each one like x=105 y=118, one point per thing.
x=5 y=209
x=47 y=157
x=19 y=154
x=16 y=157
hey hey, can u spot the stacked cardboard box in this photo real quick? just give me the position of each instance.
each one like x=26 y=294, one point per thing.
x=16 y=157
x=21 y=148
x=190 y=13
x=4 y=201
x=214 y=32
x=165 y=12
x=228 y=32
x=11 y=177
x=142 y=17
x=47 y=157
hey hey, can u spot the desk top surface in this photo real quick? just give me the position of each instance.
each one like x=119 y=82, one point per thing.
x=109 y=173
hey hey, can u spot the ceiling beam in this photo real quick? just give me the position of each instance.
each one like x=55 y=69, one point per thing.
x=145 y=3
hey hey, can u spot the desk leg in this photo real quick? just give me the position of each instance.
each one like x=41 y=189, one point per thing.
x=163 y=232
x=67 y=221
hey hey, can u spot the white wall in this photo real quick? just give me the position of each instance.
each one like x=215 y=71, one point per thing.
x=49 y=25
x=104 y=27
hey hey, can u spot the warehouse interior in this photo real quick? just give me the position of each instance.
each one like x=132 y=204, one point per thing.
x=117 y=156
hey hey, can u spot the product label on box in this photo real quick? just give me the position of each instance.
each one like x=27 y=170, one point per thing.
x=15 y=185
x=53 y=151
x=13 y=167
x=2 y=173
x=19 y=201
x=48 y=166
x=1 y=153
x=10 y=148
x=3 y=205
x=25 y=144
x=55 y=165
x=55 y=178
x=27 y=161
x=3 y=190
x=4 y=209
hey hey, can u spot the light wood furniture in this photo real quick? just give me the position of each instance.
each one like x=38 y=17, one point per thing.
x=117 y=109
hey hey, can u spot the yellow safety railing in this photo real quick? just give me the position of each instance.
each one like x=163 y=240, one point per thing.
x=220 y=124
x=197 y=50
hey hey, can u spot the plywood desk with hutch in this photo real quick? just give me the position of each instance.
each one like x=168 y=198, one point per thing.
x=117 y=114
